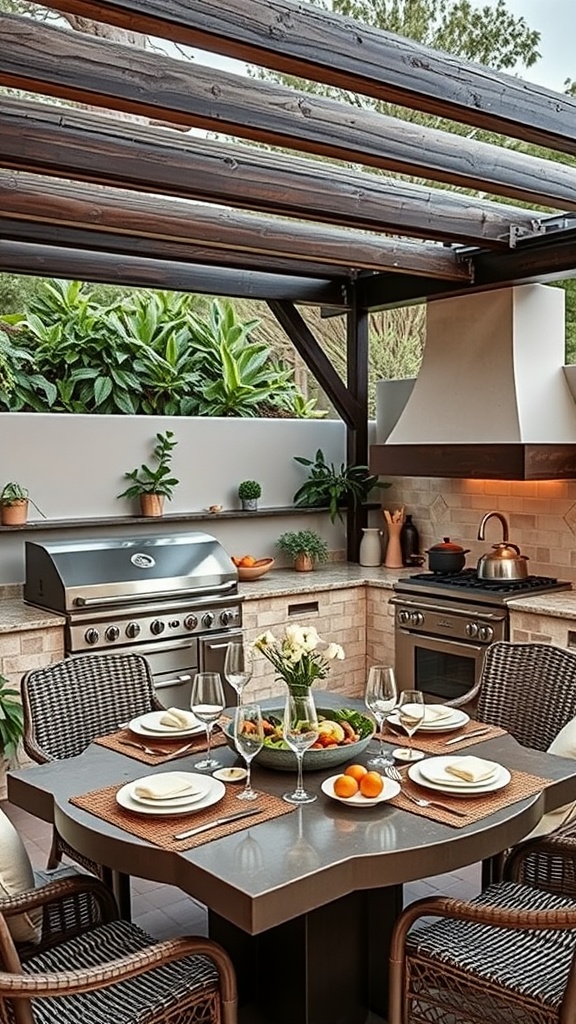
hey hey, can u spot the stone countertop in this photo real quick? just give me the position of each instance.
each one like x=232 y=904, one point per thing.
x=334 y=576
x=15 y=616
x=560 y=604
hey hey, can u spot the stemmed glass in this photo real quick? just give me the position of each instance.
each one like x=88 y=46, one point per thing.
x=238 y=666
x=380 y=698
x=411 y=715
x=248 y=737
x=207 y=703
x=300 y=730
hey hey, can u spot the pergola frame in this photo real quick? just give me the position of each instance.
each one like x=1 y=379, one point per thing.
x=85 y=194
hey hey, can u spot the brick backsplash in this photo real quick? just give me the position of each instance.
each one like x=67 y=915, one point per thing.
x=541 y=516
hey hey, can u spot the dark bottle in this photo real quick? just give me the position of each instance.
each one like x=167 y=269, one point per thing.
x=409 y=541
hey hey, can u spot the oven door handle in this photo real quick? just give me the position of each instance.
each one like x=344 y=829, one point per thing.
x=163 y=595
x=179 y=681
x=444 y=610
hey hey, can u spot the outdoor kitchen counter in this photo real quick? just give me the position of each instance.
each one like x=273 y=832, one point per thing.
x=560 y=604
x=335 y=576
x=15 y=616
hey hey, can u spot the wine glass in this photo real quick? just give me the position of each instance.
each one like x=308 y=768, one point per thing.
x=248 y=737
x=380 y=698
x=207 y=703
x=300 y=730
x=411 y=716
x=238 y=666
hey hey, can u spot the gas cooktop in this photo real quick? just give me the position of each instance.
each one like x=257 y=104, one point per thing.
x=465 y=584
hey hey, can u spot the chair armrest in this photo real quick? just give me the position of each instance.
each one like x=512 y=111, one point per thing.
x=67 y=982
x=70 y=906
x=559 y=845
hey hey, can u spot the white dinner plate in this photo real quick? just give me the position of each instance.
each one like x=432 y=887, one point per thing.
x=215 y=792
x=150 y=725
x=456 y=721
x=434 y=770
x=391 y=789
x=490 y=786
x=197 y=780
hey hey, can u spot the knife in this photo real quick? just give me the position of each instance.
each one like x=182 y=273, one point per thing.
x=218 y=821
x=467 y=736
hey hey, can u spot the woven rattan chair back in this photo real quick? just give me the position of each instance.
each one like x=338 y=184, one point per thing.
x=68 y=704
x=528 y=689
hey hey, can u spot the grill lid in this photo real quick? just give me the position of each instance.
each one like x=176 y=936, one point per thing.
x=125 y=570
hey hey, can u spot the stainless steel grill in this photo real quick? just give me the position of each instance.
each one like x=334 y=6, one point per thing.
x=173 y=599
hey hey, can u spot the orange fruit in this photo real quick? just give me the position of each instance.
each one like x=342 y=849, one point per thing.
x=371 y=784
x=345 y=786
x=247 y=561
x=357 y=771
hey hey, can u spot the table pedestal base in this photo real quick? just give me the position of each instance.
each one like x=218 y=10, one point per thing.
x=329 y=966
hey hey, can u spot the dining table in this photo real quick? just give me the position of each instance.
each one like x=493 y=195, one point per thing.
x=303 y=900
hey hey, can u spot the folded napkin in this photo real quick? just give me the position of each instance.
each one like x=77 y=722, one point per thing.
x=470 y=769
x=163 y=787
x=176 y=718
x=437 y=712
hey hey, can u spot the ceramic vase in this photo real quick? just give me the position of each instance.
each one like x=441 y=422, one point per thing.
x=393 y=559
x=370 y=547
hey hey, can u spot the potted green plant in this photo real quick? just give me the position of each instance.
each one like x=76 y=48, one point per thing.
x=11 y=721
x=249 y=491
x=304 y=547
x=152 y=486
x=332 y=487
x=14 y=501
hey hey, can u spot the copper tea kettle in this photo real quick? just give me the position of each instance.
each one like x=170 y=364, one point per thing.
x=504 y=562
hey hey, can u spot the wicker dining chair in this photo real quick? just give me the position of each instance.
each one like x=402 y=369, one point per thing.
x=90 y=966
x=506 y=957
x=67 y=704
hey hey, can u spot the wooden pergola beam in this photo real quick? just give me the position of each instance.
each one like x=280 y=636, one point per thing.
x=306 y=41
x=88 y=147
x=84 y=69
x=112 y=219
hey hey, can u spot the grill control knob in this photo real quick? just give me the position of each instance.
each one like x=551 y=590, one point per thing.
x=404 y=618
x=157 y=627
x=112 y=633
x=416 y=618
x=190 y=622
x=472 y=630
x=91 y=636
x=227 y=616
x=132 y=630
x=208 y=619
x=485 y=633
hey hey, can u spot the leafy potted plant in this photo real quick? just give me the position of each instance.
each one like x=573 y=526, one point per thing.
x=14 y=501
x=304 y=547
x=249 y=491
x=151 y=486
x=332 y=487
x=11 y=721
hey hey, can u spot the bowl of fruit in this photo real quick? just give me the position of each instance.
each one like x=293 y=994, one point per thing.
x=343 y=734
x=250 y=568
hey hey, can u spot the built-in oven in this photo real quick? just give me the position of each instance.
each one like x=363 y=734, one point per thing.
x=440 y=646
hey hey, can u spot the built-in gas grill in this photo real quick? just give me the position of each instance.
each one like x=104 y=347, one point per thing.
x=445 y=622
x=173 y=599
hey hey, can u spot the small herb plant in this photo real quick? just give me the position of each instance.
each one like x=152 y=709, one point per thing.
x=249 y=490
x=303 y=542
x=332 y=487
x=13 y=493
x=158 y=480
x=11 y=720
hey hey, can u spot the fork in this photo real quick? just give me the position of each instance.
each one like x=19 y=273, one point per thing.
x=421 y=802
x=155 y=751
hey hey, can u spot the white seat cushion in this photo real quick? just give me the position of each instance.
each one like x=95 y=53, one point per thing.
x=16 y=876
x=563 y=745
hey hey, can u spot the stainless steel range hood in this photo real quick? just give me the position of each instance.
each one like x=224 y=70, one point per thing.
x=491 y=400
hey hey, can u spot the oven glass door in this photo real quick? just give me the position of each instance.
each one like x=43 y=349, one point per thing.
x=442 y=668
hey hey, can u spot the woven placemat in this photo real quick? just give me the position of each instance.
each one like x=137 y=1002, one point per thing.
x=432 y=743
x=521 y=786
x=161 y=831
x=121 y=741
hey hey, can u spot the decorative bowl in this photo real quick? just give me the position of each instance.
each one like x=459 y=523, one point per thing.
x=314 y=760
x=254 y=572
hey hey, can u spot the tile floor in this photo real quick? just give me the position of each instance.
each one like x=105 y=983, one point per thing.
x=164 y=910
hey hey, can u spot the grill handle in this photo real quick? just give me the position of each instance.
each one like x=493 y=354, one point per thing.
x=97 y=602
x=172 y=682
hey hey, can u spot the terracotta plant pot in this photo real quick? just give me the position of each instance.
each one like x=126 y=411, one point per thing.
x=303 y=563
x=152 y=504
x=15 y=514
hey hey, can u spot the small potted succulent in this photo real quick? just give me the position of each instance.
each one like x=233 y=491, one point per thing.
x=151 y=486
x=304 y=547
x=11 y=722
x=249 y=491
x=14 y=500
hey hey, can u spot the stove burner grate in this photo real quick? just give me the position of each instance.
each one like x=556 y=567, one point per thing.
x=468 y=580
